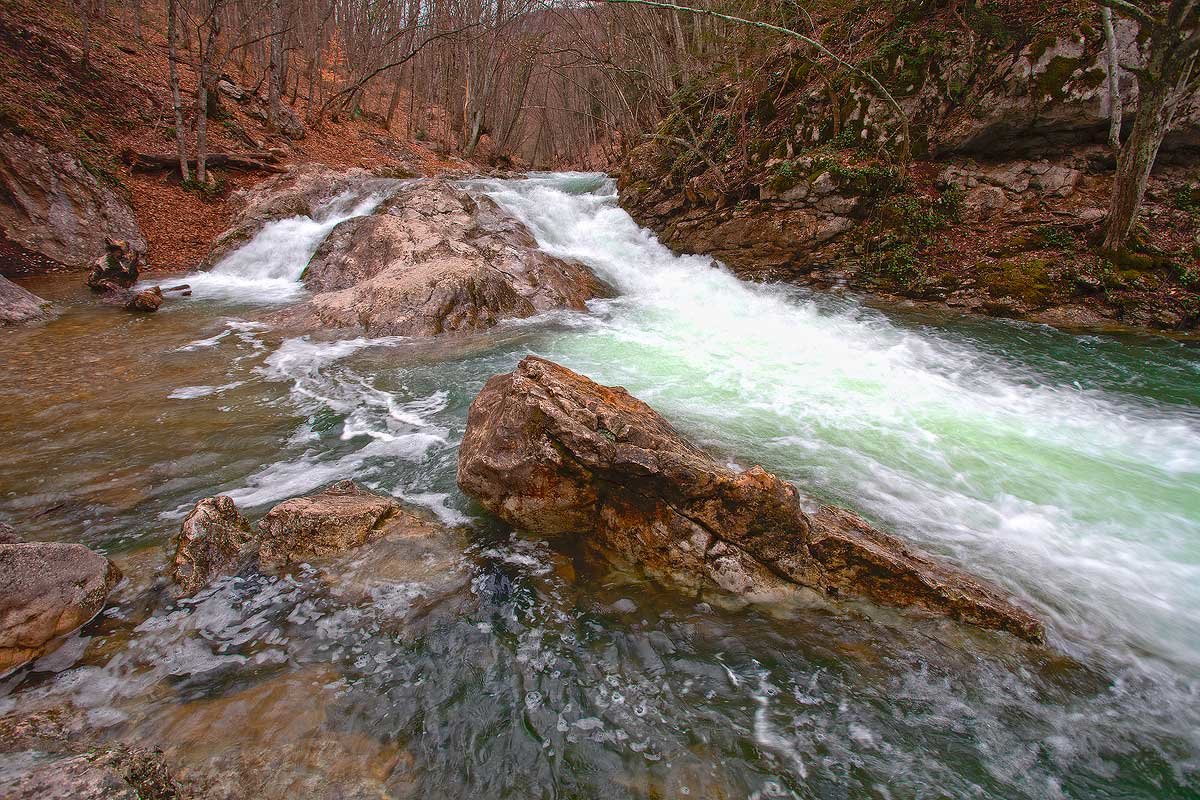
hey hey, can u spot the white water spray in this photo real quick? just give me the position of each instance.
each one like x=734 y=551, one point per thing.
x=267 y=269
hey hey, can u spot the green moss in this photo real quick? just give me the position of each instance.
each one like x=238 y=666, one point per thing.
x=1187 y=198
x=1093 y=78
x=1053 y=82
x=1039 y=46
x=1126 y=260
x=1054 y=236
x=1027 y=281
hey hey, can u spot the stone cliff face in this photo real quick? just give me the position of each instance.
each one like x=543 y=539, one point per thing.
x=52 y=206
x=996 y=214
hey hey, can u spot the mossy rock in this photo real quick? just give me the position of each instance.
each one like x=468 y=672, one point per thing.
x=1052 y=84
x=1132 y=261
x=1028 y=281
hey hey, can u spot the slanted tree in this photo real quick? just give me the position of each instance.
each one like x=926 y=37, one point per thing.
x=1172 y=32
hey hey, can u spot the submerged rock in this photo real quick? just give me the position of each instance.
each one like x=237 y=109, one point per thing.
x=433 y=259
x=111 y=773
x=117 y=269
x=213 y=540
x=47 y=590
x=19 y=305
x=552 y=452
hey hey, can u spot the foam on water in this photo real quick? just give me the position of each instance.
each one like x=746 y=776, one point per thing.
x=1084 y=502
x=267 y=268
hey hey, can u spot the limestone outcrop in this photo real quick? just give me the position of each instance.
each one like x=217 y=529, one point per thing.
x=52 y=206
x=552 y=452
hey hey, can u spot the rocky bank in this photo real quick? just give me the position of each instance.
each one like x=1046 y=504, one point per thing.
x=792 y=178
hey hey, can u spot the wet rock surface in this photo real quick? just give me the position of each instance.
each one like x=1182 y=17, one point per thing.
x=117 y=773
x=47 y=590
x=146 y=301
x=342 y=517
x=53 y=754
x=117 y=269
x=20 y=305
x=549 y=451
x=213 y=540
x=432 y=260
x=51 y=205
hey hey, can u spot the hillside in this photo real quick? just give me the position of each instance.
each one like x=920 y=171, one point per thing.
x=786 y=166
x=64 y=129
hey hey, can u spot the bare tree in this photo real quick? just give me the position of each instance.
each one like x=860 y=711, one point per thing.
x=880 y=89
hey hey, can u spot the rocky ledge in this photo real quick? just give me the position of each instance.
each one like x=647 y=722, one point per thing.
x=433 y=259
x=552 y=452
x=19 y=305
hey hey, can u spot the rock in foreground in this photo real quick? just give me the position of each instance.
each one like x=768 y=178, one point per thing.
x=433 y=259
x=552 y=452
x=215 y=539
x=341 y=517
x=47 y=590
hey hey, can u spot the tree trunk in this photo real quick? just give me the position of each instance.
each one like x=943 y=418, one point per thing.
x=1115 y=110
x=275 y=66
x=1135 y=161
x=201 y=131
x=85 y=17
x=176 y=101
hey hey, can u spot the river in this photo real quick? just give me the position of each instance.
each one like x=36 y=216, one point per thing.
x=1064 y=467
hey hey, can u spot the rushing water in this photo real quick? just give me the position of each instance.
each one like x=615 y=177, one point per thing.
x=1064 y=467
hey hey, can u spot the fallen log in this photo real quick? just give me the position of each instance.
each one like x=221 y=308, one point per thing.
x=253 y=161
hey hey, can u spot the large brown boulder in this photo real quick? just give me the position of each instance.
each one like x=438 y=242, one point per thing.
x=213 y=540
x=433 y=259
x=19 y=305
x=47 y=590
x=50 y=204
x=552 y=452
